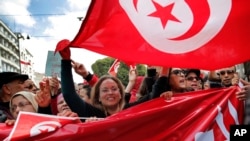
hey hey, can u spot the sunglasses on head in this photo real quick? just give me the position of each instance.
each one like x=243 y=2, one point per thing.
x=190 y=78
x=178 y=72
x=227 y=71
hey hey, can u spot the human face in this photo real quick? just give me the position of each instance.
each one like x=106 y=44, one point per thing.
x=84 y=96
x=62 y=105
x=177 y=80
x=110 y=95
x=30 y=86
x=15 y=86
x=193 y=81
x=20 y=103
x=206 y=85
x=226 y=75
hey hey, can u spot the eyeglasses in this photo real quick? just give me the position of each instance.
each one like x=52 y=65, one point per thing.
x=20 y=105
x=112 y=90
x=29 y=87
x=227 y=71
x=178 y=72
x=192 y=78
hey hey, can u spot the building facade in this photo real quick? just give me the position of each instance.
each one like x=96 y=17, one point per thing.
x=14 y=57
x=9 y=49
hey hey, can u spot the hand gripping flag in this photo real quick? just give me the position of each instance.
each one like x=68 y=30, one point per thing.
x=187 y=33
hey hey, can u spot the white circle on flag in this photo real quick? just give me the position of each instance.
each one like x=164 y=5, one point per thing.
x=161 y=38
x=46 y=126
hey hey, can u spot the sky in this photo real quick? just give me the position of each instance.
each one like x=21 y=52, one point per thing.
x=47 y=22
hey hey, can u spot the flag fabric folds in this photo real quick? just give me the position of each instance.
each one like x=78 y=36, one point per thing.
x=186 y=34
x=194 y=116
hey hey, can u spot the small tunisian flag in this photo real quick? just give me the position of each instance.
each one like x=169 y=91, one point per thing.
x=31 y=124
x=114 y=68
x=187 y=33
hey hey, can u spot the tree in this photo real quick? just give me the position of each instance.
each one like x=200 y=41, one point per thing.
x=101 y=67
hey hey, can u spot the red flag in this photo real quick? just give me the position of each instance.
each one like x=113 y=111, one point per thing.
x=193 y=116
x=187 y=34
x=25 y=63
x=32 y=124
x=114 y=68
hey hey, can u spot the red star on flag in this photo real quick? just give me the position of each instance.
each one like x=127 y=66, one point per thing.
x=164 y=13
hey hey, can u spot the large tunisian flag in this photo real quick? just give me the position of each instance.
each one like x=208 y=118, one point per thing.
x=187 y=33
x=194 y=116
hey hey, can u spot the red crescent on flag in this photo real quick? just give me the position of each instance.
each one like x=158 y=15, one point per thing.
x=200 y=18
x=135 y=3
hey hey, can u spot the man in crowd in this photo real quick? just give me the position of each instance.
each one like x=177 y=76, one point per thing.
x=10 y=83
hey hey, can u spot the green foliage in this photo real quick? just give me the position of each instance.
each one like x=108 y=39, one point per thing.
x=101 y=67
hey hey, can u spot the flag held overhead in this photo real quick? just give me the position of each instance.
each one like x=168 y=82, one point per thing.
x=186 y=34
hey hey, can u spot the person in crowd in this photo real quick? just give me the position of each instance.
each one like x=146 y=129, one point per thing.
x=30 y=86
x=22 y=101
x=107 y=95
x=147 y=82
x=193 y=79
x=10 y=83
x=84 y=93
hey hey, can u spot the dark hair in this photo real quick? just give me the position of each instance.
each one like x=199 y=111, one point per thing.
x=88 y=89
x=146 y=86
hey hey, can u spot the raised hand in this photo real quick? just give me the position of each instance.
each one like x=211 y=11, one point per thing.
x=43 y=97
x=80 y=69
x=132 y=74
x=236 y=78
x=64 y=49
x=244 y=91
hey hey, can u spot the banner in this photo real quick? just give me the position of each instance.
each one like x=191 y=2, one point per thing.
x=193 y=116
x=185 y=34
x=24 y=62
x=53 y=64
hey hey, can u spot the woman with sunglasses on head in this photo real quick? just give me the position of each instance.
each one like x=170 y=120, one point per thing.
x=170 y=81
x=193 y=79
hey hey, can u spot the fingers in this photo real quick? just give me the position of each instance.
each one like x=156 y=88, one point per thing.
x=241 y=95
x=167 y=95
x=244 y=82
x=67 y=113
x=10 y=122
x=235 y=80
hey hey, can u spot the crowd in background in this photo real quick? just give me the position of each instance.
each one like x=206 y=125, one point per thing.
x=99 y=97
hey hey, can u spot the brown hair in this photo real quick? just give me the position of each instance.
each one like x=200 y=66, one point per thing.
x=95 y=92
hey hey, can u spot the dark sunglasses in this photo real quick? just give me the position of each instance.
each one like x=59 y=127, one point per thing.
x=178 y=72
x=227 y=71
x=192 y=78
x=29 y=87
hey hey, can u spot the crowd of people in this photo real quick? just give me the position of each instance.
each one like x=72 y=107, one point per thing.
x=100 y=97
